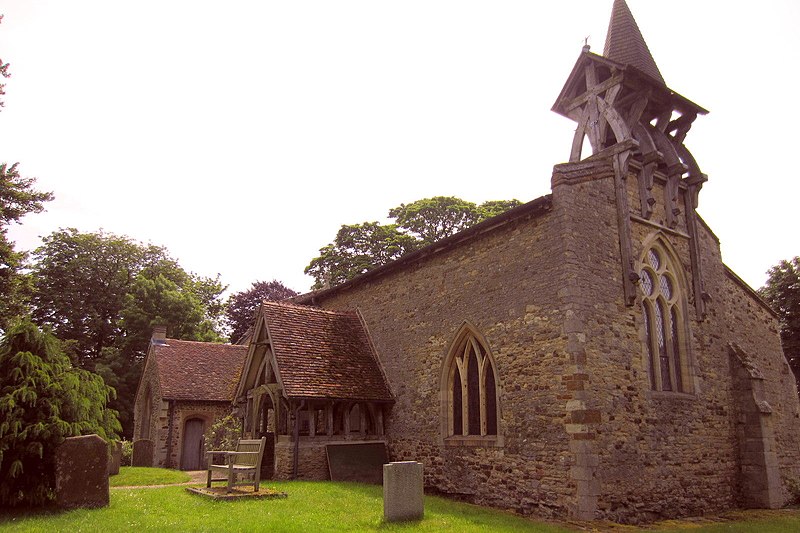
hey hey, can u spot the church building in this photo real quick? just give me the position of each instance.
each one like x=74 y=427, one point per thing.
x=585 y=355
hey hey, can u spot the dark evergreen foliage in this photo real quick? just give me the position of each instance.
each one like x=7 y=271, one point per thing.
x=43 y=400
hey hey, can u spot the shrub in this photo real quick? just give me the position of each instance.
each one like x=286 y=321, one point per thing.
x=43 y=400
x=127 y=452
x=223 y=434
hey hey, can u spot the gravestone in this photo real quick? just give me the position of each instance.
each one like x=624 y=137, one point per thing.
x=403 y=491
x=142 y=453
x=115 y=459
x=82 y=472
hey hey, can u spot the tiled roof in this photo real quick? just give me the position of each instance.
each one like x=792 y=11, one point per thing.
x=190 y=370
x=323 y=354
x=625 y=44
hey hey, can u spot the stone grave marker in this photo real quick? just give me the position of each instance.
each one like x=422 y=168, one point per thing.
x=142 y=453
x=115 y=459
x=82 y=472
x=403 y=491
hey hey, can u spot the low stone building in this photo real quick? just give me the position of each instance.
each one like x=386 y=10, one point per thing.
x=185 y=387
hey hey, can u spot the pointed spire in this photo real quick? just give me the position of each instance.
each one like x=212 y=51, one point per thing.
x=625 y=44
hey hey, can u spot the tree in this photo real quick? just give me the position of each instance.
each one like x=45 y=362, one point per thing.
x=433 y=219
x=103 y=293
x=17 y=198
x=241 y=306
x=43 y=399
x=357 y=249
x=782 y=292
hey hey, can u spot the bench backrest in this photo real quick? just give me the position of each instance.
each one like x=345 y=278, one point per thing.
x=254 y=445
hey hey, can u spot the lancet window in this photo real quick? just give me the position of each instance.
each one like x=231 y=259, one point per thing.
x=663 y=311
x=470 y=389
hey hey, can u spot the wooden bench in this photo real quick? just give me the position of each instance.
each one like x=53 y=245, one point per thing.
x=246 y=459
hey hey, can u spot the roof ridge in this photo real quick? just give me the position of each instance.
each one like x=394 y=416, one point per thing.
x=625 y=44
x=312 y=308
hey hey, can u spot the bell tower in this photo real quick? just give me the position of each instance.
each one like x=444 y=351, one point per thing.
x=622 y=105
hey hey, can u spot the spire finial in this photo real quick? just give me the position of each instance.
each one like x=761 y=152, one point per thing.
x=625 y=44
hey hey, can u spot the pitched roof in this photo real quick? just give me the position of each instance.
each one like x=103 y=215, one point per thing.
x=323 y=354
x=625 y=44
x=203 y=371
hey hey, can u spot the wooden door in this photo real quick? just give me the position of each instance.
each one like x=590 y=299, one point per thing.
x=192 y=451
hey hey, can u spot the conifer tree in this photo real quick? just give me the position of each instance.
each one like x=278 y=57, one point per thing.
x=43 y=400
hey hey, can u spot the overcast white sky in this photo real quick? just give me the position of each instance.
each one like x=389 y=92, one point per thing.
x=241 y=135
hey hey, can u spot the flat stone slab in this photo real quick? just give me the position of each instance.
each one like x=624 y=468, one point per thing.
x=239 y=493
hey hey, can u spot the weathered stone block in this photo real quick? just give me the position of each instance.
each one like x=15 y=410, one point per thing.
x=82 y=472
x=115 y=459
x=403 y=491
x=142 y=453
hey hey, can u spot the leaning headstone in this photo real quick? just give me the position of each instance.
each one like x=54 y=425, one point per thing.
x=82 y=472
x=142 y=453
x=115 y=458
x=403 y=491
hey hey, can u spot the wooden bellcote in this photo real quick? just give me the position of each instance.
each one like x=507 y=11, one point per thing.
x=623 y=106
x=621 y=96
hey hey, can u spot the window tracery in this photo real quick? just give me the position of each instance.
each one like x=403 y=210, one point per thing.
x=470 y=406
x=663 y=311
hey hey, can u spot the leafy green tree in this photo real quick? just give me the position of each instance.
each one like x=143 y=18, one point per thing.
x=782 y=292
x=492 y=208
x=241 y=306
x=43 y=399
x=17 y=198
x=357 y=249
x=102 y=294
x=433 y=219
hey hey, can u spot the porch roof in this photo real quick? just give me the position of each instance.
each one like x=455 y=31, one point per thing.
x=324 y=354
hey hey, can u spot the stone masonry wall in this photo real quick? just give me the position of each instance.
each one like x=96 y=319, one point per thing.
x=149 y=384
x=506 y=284
x=664 y=454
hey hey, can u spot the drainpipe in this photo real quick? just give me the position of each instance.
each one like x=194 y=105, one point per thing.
x=296 y=435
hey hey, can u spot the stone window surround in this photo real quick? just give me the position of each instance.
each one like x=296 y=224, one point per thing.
x=672 y=269
x=468 y=333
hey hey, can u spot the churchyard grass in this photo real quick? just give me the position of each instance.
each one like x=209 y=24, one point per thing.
x=130 y=476
x=318 y=507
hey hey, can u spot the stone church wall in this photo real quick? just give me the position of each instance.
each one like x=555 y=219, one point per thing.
x=663 y=454
x=506 y=284
x=584 y=433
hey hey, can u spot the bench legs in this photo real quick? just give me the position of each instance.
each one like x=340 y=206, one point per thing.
x=208 y=482
x=231 y=477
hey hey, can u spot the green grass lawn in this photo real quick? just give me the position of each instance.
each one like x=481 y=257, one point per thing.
x=315 y=507
x=137 y=475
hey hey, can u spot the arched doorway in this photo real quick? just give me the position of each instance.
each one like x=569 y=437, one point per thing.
x=192 y=448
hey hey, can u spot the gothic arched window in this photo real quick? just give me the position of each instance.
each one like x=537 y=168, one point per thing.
x=469 y=388
x=663 y=311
